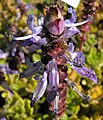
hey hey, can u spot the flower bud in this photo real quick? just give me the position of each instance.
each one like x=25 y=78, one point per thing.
x=54 y=21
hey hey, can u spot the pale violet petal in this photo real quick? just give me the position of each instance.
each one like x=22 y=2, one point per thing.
x=78 y=58
x=53 y=79
x=71 y=47
x=3 y=55
x=40 y=89
x=42 y=41
x=36 y=38
x=37 y=30
x=74 y=17
x=70 y=31
x=68 y=23
x=30 y=22
x=53 y=82
x=52 y=64
x=86 y=72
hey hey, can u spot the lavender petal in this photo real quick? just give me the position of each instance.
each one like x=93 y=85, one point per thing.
x=74 y=17
x=40 y=89
x=71 y=47
x=30 y=22
x=68 y=32
x=86 y=72
x=78 y=58
x=53 y=79
x=37 y=30
x=3 y=55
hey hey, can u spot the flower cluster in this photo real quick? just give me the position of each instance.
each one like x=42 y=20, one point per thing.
x=51 y=36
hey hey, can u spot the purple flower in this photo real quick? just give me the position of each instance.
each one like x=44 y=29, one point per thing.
x=53 y=83
x=52 y=28
x=34 y=38
x=70 y=25
x=16 y=50
x=77 y=63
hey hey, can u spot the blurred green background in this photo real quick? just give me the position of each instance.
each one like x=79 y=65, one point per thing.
x=17 y=106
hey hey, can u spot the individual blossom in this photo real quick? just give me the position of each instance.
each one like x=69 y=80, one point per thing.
x=71 y=25
x=32 y=42
x=77 y=63
x=53 y=75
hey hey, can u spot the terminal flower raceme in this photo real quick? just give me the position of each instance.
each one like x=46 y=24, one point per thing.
x=51 y=36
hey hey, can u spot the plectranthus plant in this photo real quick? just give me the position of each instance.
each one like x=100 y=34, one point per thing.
x=51 y=36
